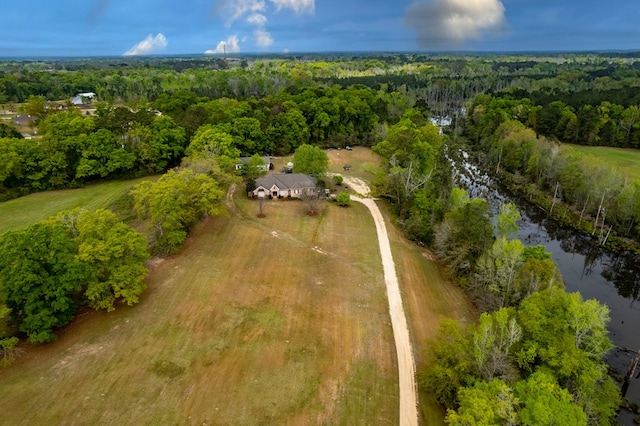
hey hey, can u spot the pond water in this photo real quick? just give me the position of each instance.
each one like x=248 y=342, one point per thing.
x=612 y=279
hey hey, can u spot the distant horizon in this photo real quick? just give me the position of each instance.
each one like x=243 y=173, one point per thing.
x=327 y=52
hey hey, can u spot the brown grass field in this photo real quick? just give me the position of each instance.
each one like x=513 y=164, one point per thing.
x=280 y=320
x=360 y=158
x=428 y=297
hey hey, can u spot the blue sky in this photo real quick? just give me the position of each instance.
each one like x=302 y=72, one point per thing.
x=140 y=27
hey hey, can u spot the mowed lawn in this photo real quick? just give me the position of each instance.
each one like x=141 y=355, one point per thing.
x=625 y=160
x=281 y=320
x=360 y=158
x=24 y=211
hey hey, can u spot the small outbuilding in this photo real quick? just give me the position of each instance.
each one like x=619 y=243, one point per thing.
x=83 y=98
x=265 y=168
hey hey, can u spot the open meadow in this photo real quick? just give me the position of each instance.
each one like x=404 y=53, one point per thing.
x=275 y=320
x=625 y=160
x=24 y=211
x=361 y=160
x=256 y=321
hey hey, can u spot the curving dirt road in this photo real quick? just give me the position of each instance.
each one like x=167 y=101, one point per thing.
x=406 y=362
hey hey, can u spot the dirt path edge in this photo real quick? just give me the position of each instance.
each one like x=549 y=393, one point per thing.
x=406 y=361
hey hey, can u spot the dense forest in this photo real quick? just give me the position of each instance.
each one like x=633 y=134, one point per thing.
x=585 y=192
x=190 y=119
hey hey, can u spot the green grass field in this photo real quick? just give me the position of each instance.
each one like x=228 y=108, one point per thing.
x=275 y=320
x=360 y=159
x=627 y=161
x=30 y=209
x=281 y=320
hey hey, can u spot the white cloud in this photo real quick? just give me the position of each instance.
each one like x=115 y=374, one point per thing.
x=449 y=23
x=236 y=9
x=255 y=12
x=149 y=45
x=257 y=19
x=263 y=38
x=230 y=45
x=298 y=6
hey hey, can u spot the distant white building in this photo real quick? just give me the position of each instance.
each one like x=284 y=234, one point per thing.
x=265 y=167
x=83 y=98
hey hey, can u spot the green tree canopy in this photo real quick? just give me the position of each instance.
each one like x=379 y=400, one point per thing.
x=174 y=203
x=508 y=217
x=254 y=168
x=40 y=278
x=7 y=131
x=465 y=234
x=485 y=404
x=114 y=253
x=103 y=155
x=343 y=199
x=288 y=131
x=544 y=402
x=310 y=160
x=215 y=143
x=211 y=141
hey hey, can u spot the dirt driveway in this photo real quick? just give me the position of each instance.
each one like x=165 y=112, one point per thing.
x=406 y=362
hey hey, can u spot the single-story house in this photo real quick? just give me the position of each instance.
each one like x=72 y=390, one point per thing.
x=284 y=185
x=267 y=163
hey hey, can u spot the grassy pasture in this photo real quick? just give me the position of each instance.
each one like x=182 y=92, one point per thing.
x=428 y=297
x=360 y=158
x=626 y=161
x=24 y=211
x=281 y=320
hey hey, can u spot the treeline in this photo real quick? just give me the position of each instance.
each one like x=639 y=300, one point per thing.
x=595 y=197
x=127 y=79
x=73 y=150
x=537 y=354
x=416 y=175
x=79 y=258
x=536 y=357
x=148 y=138
x=278 y=124
x=589 y=117
x=50 y=270
x=125 y=84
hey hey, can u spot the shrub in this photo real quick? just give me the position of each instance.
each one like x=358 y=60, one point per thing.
x=343 y=199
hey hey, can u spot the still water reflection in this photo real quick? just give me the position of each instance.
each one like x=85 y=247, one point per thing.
x=612 y=279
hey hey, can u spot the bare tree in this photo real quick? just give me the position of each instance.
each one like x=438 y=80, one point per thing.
x=261 y=207
x=311 y=200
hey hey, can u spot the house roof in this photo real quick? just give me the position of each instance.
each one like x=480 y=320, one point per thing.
x=23 y=120
x=266 y=159
x=287 y=181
